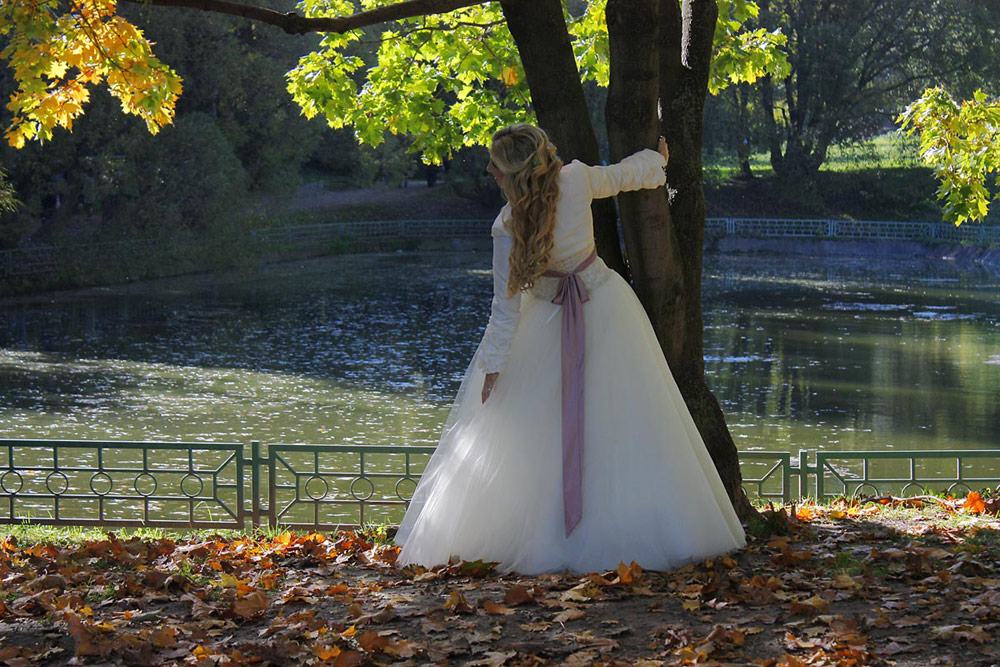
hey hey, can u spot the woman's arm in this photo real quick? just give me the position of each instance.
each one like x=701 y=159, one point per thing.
x=505 y=311
x=636 y=172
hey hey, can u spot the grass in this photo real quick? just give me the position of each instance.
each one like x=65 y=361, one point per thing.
x=890 y=150
x=878 y=179
x=377 y=533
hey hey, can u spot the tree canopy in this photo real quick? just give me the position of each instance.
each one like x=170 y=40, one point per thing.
x=447 y=79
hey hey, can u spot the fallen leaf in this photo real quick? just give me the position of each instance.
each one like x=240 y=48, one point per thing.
x=569 y=615
x=974 y=503
x=493 y=659
x=844 y=580
x=517 y=595
x=372 y=642
x=457 y=603
x=541 y=626
x=494 y=609
x=250 y=605
x=630 y=573
x=809 y=607
x=325 y=652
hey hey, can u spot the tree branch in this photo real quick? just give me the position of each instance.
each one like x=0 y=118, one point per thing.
x=295 y=24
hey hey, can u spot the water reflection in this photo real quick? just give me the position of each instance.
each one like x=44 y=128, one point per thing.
x=802 y=353
x=851 y=354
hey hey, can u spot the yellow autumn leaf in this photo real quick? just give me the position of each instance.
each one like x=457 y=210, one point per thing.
x=509 y=75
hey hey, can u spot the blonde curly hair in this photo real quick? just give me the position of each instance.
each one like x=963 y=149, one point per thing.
x=530 y=167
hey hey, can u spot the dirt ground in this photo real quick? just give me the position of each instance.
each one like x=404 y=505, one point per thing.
x=855 y=584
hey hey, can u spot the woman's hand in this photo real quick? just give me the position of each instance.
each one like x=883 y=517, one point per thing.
x=661 y=148
x=488 y=384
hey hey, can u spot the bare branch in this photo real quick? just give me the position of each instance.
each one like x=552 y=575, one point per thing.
x=295 y=24
x=430 y=28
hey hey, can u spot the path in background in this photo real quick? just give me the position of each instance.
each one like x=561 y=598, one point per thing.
x=414 y=201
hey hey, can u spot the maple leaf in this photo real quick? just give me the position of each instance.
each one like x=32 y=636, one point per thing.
x=630 y=573
x=325 y=653
x=457 y=603
x=974 y=503
x=402 y=649
x=569 y=615
x=493 y=659
x=86 y=641
x=517 y=595
x=535 y=627
x=165 y=637
x=349 y=659
x=372 y=642
x=843 y=580
x=806 y=513
x=250 y=605
x=494 y=609
x=809 y=607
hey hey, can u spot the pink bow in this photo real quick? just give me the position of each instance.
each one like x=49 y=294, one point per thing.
x=571 y=295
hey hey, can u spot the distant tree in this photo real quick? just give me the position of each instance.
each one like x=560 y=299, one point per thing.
x=853 y=63
x=84 y=184
x=8 y=197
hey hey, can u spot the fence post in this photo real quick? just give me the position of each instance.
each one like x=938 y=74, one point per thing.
x=820 y=491
x=803 y=473
x=255 y=483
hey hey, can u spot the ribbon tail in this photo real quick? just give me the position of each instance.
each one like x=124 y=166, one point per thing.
x=572 y=402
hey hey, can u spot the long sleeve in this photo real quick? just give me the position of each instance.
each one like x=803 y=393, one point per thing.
x=636 y=172
x=504 y=312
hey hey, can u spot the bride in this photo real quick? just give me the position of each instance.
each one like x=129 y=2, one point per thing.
x=578 y=452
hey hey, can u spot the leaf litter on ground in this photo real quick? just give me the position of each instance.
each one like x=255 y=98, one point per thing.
x=888 y=581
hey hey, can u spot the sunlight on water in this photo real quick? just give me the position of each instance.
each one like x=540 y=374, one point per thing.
x=801 y=352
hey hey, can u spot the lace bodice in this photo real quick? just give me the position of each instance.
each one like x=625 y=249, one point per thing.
x=579 y=184
x=592 y=276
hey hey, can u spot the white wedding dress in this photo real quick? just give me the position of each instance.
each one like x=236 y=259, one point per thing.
x=493 y=488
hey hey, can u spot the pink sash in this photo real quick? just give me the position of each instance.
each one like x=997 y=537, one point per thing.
x=571 y=295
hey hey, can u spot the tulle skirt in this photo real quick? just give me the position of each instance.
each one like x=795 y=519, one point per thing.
x=493 y=488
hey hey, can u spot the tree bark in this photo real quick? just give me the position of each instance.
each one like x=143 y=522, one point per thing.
x=686 y=38
x=631 y=115
x=543 y=42
x=741 y=100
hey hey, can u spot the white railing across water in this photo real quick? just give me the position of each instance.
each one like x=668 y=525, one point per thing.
x=42 y=259
x=857 y=230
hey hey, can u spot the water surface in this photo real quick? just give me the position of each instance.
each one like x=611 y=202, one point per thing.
x=802 y=352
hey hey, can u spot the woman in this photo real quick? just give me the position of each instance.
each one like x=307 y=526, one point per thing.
x=578 y=452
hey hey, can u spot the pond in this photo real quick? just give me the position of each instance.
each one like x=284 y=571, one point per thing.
x=815 y=353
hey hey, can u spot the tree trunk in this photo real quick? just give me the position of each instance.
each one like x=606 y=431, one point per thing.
x=686 y=41
x=539 y=30
x=656 y=55
x=741 y=100
x=631 y=114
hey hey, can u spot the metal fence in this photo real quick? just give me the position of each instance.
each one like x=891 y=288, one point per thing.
x=769 y=475
x=204 y=485
x=858 y=230
x=325 y=487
